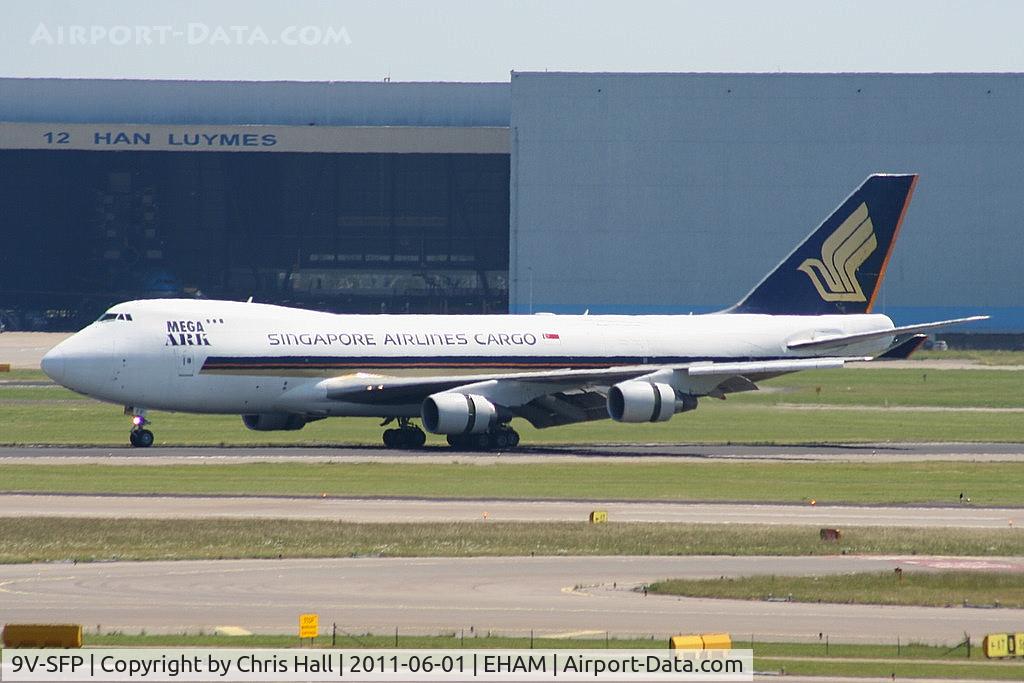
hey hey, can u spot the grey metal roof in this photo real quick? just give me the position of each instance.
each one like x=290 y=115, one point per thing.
x=263 y=102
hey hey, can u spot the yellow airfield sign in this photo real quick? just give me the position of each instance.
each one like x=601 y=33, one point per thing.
x=309 y=625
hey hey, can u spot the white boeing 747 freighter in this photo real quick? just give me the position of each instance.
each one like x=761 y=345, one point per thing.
x=468 y=376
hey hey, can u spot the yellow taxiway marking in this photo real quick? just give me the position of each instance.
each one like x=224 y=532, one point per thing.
x=231 y=631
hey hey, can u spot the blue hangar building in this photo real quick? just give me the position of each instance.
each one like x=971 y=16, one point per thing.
x=556 y=192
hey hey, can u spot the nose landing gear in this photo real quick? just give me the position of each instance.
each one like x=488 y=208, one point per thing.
x=140 y=437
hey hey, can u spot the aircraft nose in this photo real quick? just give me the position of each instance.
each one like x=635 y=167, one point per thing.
x=53 y=364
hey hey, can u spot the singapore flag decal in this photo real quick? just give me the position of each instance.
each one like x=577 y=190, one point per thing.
x=550 y=336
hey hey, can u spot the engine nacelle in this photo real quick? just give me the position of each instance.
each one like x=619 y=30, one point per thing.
x=454 y=413
x=272 y=422
x=639 y=401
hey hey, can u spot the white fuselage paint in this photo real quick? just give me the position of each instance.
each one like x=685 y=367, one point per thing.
x=236 y=358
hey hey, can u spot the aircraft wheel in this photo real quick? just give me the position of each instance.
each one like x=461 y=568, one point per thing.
x=504 y=438
x=415 y=438
x=141 y=438
x=405 y=437
x=500 y=440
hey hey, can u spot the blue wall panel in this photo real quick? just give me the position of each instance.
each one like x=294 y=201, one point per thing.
x=678 y=192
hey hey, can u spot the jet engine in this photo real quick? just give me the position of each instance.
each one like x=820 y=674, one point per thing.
x=454 y=413
x=639 y=401
x=271 y=422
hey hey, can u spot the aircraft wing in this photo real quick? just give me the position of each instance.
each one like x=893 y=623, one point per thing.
x=846 y=339
x=397 y=390
x=553 y=397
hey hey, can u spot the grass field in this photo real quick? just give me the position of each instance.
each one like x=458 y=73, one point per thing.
x=932 y=589
x=23 y=374
x=894 y=669
x=89 y=423
x=886 y=387
x=864 y=405
x=996 y=483
x=871 y=405
x=810 y=659
x=989 y=357
x=93 y=637
x=50 y=539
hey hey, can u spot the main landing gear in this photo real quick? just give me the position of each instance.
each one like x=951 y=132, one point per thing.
x=407 y=436
x=410 y=437
x=140 y=437
x=500 y=439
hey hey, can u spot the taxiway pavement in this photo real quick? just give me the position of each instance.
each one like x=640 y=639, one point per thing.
x=550 y=595
x=391 y=510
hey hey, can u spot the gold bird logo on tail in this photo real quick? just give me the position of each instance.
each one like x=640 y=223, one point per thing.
x=834 y=275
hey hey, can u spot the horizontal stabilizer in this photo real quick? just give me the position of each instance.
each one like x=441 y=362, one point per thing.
x=846 y=339
x=904 y=350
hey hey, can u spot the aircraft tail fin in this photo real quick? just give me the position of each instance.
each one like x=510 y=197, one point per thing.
x=839 y=267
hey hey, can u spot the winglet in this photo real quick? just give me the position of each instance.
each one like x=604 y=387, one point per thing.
x=839 y=267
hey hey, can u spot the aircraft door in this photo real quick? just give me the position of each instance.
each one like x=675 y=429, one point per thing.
x=186 y=361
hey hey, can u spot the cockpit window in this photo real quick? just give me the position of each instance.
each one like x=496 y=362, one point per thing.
x=114 y=316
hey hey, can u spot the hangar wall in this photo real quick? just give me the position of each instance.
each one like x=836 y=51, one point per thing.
x=350 y=197
x=626 y=192
x=678 y=192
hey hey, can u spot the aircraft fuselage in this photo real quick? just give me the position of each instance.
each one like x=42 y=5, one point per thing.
x=237 y=358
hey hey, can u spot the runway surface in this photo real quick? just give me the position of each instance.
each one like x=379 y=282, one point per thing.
x=422 y=510
x=902 y=452
x=550 y=595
